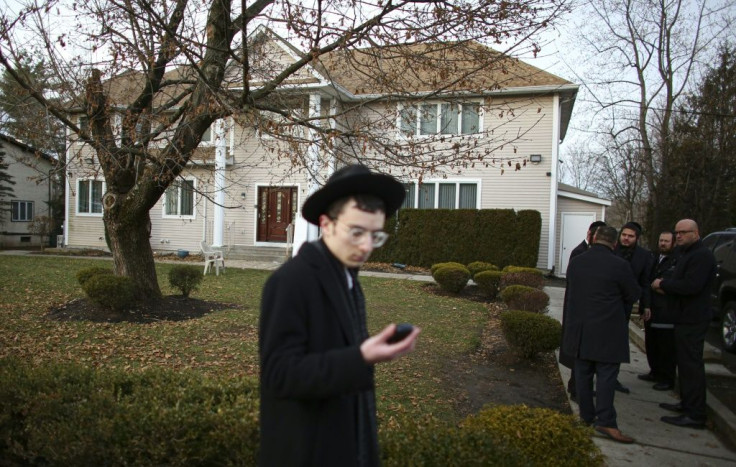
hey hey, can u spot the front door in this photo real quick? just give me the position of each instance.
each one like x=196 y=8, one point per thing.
x=574 y=229
x=276 y=209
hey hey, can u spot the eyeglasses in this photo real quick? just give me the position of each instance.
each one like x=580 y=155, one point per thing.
x=683 y=232
x=357 y=234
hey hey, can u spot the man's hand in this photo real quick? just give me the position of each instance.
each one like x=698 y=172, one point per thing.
x=376 y=348
x=647 y=315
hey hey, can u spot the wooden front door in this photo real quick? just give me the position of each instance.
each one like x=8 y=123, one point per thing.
x=276 y=210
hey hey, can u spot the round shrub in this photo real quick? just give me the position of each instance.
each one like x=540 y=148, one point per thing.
x=106 y=290
x=533 y=278
x=83 y=275
x=452 y=278
x=185 y=278
x=479 y=266
x=530 y=333
x=425 y=441
x=488 y=282
x=512 y=268
x=521 y=297
x=436 y=266
x=543 y=436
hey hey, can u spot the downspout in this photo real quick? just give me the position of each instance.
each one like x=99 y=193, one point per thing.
x=315 y=102
x=552 y=233
x=218 y=232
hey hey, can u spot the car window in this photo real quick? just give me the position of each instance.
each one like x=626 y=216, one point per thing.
x=711 y=240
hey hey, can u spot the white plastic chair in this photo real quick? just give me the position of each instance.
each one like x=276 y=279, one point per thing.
x=212 y=258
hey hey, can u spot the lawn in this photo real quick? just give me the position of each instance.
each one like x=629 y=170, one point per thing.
x=223 y=343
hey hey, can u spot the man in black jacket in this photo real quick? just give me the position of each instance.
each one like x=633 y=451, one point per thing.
x=600 y=288
x=640 y=260
x=689 y=289
x=659 y=334
x=317 y=388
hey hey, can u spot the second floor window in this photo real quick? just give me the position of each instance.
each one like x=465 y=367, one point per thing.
x=179 y=199
x=89 y=196
x=441 y=118
x=21 y=211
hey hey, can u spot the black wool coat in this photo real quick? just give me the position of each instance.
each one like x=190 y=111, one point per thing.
x=690 y=285
x=600 y=289
x=312 y=370
x=662 y=310
x=569 y=360
x=641 y=267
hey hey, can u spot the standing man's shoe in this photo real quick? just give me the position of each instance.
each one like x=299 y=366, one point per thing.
x=621 y=388
x=647 y=377
x=663 y=386
x=671 y=407
x=684 y=421
x=614 y=433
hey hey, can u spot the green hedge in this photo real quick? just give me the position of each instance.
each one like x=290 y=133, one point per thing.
x=422 y=237
x=71 y=415
x=530 y=333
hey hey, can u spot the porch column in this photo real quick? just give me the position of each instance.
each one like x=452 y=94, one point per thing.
x=315 y=102
x=218 y=227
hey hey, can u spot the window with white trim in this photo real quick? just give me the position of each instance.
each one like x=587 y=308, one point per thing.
x=179 y=199
x=441 y=195
x=21 y=211
x=89 y=196
x=441 y=118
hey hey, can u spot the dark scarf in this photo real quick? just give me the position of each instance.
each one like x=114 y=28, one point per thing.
x=367 y=427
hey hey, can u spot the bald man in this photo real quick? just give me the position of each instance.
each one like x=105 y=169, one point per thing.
x=688 y=291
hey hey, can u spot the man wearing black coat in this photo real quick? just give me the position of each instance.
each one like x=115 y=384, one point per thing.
x=600 y=289
x=659 y=331
x=640 y=260
x=569 y=360
x=689 y=289
x=317 y=387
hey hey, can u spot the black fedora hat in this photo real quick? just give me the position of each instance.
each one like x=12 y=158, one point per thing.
x=353 y=180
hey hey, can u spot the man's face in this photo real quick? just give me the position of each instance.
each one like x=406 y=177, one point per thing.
x=349 y=236
x=686 y=233
x=627 y=238
x=665 y=243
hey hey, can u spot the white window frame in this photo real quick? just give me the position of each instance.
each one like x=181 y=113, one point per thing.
x=89 y=194
x=27 y=218
x=438 y=182
x=418 y=114
x=165 y=197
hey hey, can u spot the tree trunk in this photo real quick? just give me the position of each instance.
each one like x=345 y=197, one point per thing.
x=129 y=240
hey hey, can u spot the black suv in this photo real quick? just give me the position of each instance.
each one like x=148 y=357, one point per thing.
x=723 y=246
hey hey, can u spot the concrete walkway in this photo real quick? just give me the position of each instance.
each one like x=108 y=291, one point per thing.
x=657 y=443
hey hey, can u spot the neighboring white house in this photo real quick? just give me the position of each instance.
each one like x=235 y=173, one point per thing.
x=237 y=194
x=31 y=171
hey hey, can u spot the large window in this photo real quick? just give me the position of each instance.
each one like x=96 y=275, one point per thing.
x=21 y=211
x=441 y=118
x=89 y=196
x=179 y=199
x=441 y=195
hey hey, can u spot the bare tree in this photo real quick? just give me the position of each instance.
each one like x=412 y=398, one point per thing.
x=580 y=167
x=167 y=70
x=645 y=53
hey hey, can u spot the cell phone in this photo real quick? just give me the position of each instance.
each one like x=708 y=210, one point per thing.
x=402 y=330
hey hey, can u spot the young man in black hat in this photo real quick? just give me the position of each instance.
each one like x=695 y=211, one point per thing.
x=317 y=388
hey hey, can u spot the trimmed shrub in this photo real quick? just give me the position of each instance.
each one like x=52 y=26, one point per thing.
x=528 y=278
x=436 y=266
x=428 y=442
x=530 y=333
x=512 y=268
x=114 y=292
x=83 y=275
x=488 y=282
x=479 y=266
x=542 y=436
x=452 y=278
x=522 y=297
x=185 y=278
x=73 y=415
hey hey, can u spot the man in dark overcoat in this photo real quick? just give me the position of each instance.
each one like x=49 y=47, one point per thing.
x=317 y=387
x=689 y=287
x=569 y=360
x=600 y=288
